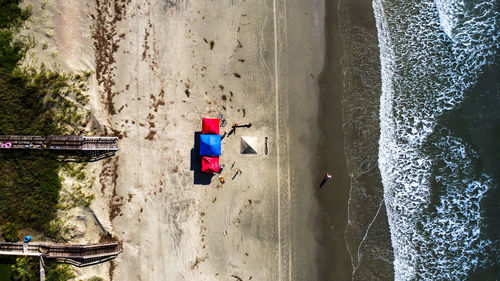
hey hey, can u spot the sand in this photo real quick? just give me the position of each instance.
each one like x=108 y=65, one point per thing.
x=159 y=67
x=356 y=239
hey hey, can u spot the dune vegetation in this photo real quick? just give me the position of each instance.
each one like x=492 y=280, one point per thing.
x=33 y=101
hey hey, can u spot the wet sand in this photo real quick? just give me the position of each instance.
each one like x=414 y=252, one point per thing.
x=334 y=259
x=356 y=238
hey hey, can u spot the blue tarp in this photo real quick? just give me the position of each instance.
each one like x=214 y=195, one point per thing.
x=210 y=145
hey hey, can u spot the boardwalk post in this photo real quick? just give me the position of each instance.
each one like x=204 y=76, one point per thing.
x=42 y=269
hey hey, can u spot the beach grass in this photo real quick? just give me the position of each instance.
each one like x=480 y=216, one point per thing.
x=34 y=101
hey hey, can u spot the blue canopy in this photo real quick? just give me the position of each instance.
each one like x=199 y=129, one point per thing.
x=210 y=145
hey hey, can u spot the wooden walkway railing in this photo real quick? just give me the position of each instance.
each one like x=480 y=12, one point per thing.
x=79 y=255
x=72 y=148
x=58 y=142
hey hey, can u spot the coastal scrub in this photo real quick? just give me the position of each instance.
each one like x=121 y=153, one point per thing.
x=34 y=101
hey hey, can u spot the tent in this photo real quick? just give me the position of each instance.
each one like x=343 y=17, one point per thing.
x=210 y=164
x=210 y=126
x=210 y=145
x=249 y=145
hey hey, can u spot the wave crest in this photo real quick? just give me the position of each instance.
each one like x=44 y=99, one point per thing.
x=431 y=54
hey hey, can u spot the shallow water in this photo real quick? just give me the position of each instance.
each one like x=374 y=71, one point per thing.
x=367 y=232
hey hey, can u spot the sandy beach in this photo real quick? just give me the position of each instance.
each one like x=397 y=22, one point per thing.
x=159 y=67
x=396 y=100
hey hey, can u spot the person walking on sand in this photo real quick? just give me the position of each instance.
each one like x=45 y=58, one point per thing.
x=327 y=177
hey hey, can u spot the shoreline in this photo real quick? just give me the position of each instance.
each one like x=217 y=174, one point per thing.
x=365 y=229
x=334 y=261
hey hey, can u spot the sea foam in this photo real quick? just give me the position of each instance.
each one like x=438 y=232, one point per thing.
x=431 y=54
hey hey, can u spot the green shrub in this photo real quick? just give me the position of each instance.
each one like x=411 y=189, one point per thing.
x=11 y=19
x=95 y=278
x=25 y=269
x=58 y=272
x=9 y=232
x=33 y=102
x=30 y=188
x=53 y=231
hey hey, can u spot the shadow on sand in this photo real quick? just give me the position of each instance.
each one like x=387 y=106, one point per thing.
x=199 y=176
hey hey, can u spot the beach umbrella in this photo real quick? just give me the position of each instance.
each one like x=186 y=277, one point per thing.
x=210 y=126
x=210 y=145
x=210 y=164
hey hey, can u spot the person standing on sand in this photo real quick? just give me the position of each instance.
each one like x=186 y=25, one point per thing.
x=327 y=177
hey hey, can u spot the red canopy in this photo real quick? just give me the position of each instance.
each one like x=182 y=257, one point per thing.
x=210 y=164
x=210 y=126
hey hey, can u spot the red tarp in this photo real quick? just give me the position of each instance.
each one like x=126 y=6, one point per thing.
x=210 y=126
x=210 y=164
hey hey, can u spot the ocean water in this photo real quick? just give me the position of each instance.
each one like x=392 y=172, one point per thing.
x=439 y=127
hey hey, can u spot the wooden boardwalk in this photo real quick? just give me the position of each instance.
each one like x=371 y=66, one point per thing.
x=59 y=143
x=79 y=255
x=72 y=148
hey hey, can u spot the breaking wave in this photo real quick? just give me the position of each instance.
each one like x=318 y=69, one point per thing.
x=432 y=53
